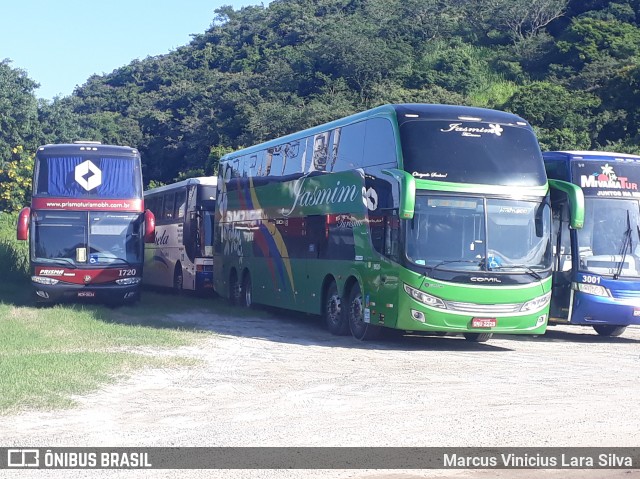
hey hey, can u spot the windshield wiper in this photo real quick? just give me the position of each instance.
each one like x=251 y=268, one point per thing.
x=626 y=245
x=113 y=260
x=449 y=261
x=528 y=269
x=64 y=261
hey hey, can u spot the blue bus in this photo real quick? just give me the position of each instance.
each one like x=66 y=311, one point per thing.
x=596 y=279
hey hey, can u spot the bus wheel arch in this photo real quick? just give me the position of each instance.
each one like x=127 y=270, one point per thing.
x=361 y=330
x=332 y=312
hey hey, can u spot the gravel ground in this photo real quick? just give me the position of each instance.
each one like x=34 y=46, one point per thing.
x=285 y=381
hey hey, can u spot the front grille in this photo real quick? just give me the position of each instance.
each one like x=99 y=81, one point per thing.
x=474 y=308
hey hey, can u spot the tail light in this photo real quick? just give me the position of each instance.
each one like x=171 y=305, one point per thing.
x=23 y=224
x=149 y=227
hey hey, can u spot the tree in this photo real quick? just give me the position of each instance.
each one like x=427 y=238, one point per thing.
x=15 y=180
x=18 y=111
x=564 y=119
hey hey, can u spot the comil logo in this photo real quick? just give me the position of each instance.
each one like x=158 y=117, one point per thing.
x=88 y=175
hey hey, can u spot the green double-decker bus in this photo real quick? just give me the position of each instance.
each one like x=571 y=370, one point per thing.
x=424 y=218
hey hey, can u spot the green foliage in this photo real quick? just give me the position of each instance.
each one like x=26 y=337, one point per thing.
x=18 y=111
x=15 y=180
x=589 y=39
x=14 y=254
x=568 y=66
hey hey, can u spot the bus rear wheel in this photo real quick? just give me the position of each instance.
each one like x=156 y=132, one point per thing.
x=245 y=293
x=332 y=312
x=359 y=329
x=178 y=279
x=609 y=329
x=478 y=337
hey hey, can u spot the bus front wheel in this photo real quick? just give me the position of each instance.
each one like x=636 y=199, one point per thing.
x=332 y=311
x=478 y=337
x=234 y=288
x=609 y=329
x=359 y=329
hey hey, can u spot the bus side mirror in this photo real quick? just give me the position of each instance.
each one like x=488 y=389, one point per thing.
x=23 y=224
x=407 y=192
x=149 y=227
x=576 y=201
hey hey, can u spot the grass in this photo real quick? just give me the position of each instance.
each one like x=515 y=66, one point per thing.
x=48 y=355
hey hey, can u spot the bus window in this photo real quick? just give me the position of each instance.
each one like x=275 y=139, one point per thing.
x=274 y=164
x=320 y=152
x=181 y=200
x=293 y=153
x=169 y=201
x=348 y=154
x=380 y=143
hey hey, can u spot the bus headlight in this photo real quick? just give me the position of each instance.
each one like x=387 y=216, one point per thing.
x=127 y=281
x=594 y=289
x=537 y=303
x=44 y=280
x=424 y=298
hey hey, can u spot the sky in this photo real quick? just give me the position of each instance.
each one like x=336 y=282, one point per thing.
x=61 y=43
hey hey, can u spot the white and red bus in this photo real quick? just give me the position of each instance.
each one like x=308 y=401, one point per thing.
x=182 y=255
x=87 y=224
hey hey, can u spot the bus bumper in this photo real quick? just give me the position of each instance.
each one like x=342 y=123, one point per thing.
x=98 y=293
x=415 y=317
x=204 y=280
x=589 y=309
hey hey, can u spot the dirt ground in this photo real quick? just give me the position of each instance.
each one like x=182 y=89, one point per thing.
x=285 y=381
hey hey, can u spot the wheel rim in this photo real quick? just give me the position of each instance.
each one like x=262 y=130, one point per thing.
x=247 y=293
x=333 y=307
x=358 y=326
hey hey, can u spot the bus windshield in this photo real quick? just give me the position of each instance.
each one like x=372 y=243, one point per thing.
x=472 y=152
x=81 y=239
x=609 y=243
x=461 y=233
x=87 y=176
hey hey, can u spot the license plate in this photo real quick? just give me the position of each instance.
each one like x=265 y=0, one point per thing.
x=636 y=312
x=484 y=322
x=86 y=294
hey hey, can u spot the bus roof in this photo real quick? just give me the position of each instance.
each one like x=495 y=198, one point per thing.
x=407 y=110
x=201 y=180
x=590 y=154
x=76 y=147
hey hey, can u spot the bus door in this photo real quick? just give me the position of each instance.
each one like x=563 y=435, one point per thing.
x=381 y=303
x=562 y=264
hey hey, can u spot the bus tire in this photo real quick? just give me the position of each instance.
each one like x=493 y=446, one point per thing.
x=359 y=329
x=609 y=329
x=178 y=279
x=246 y=299
x=332 y=312
x=234 y=288
x=478 y=337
